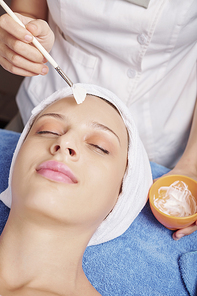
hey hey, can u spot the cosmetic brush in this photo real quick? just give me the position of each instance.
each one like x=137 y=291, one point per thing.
x=79 y=93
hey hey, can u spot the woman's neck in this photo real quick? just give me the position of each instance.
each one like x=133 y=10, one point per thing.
x=43 y=258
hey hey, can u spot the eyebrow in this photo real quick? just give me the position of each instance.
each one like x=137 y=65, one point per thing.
x=93 y=124
x=54 y=115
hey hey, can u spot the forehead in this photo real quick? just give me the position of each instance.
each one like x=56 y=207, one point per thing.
x=92 y=109
x=91 y=103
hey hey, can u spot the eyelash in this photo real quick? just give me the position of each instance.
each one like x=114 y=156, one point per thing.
x=100 y=148
x=93 y=145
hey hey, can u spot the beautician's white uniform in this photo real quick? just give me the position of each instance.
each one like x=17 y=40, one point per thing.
x=146 y=56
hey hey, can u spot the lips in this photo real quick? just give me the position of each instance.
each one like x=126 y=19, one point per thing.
x=56 y=171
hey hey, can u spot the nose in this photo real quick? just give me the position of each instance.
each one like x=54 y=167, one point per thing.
x=66 y=145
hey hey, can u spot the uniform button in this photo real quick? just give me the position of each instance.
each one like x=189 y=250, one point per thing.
x=142 y=39
x=131 y=73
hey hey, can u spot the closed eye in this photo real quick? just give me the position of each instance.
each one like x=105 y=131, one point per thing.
x=47 y=132
x=100 y=148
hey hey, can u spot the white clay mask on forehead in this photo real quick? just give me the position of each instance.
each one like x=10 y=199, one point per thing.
x=176 y=200
x=79 y=93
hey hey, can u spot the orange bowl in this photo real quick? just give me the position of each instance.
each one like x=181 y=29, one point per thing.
x=172 y=222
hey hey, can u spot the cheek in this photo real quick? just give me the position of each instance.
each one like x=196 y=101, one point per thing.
x=19 y=177
x=113 y=178
x=105 y=183
x=23 y=168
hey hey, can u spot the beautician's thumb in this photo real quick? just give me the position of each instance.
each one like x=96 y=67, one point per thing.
x=38 y=28
x=185 y=231
x=41 y=30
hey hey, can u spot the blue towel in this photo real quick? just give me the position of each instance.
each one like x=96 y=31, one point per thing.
x=144 y=261
x=188 y=267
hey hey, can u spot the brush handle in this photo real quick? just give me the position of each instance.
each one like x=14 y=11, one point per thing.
x=34 y=41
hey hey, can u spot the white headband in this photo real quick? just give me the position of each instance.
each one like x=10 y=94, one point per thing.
x=137 y=179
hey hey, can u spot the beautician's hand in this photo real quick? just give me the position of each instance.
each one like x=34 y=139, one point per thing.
x=17 y=54
x=190 y=229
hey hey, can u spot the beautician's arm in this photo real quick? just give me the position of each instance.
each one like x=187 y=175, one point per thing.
x=34 y=8
x=17 y=54
x=187 y=166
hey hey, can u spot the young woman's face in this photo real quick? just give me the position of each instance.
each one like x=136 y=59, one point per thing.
x=72 y=163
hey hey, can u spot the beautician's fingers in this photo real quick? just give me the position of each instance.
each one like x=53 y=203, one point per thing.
x=37 y=28
x=19 y=57
x=19 y=71
x=14 y=64
x=13 y=28
x=41 y=30
x=28 y=51
x=185 y=231
x=16 y=55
